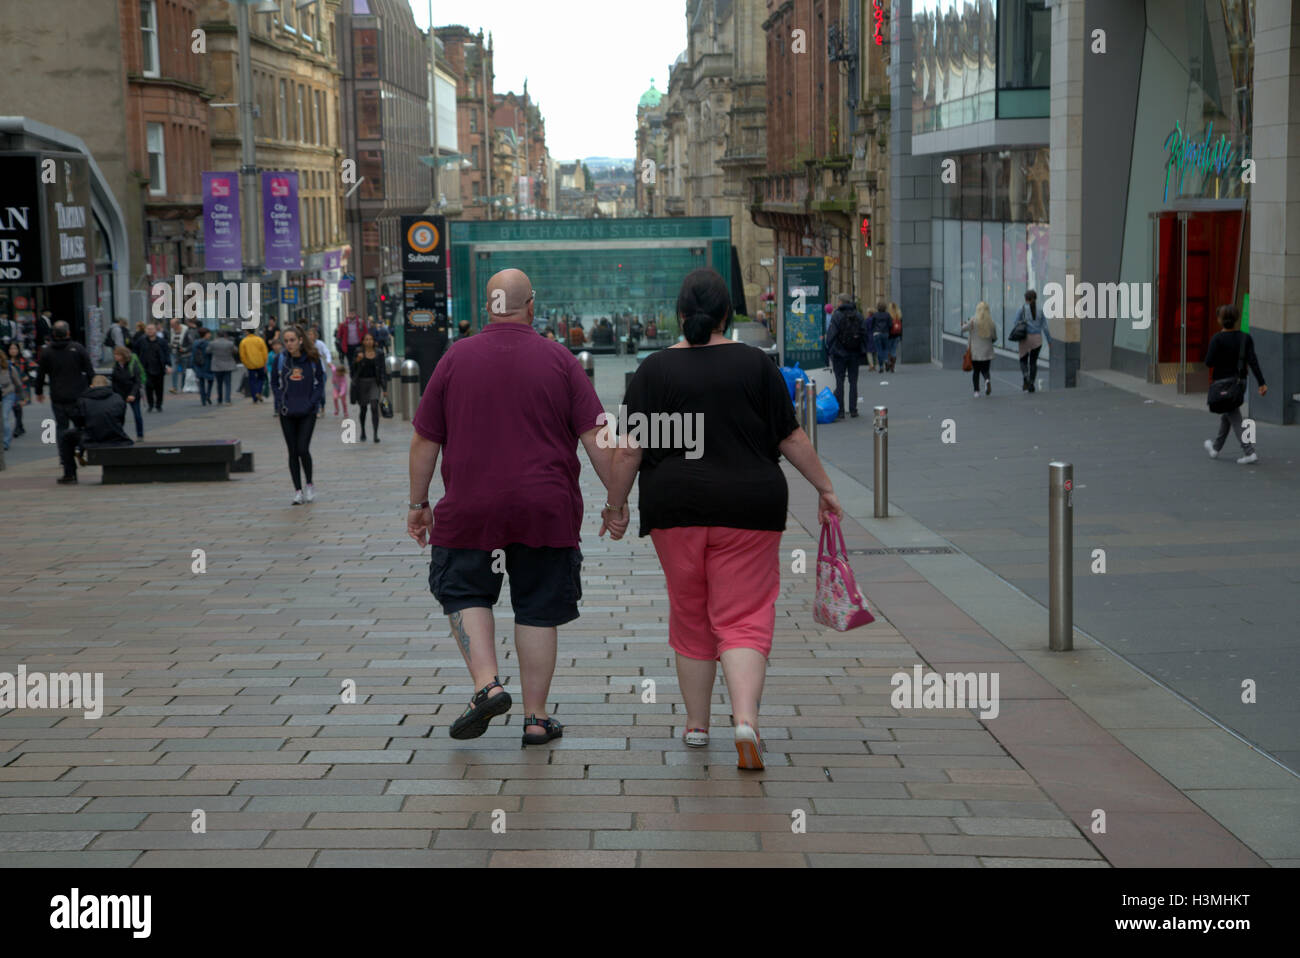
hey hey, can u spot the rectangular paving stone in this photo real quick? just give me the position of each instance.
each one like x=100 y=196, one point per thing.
x=45 y=841
x=81 y=859
x=721 y=859
x=225 y=858
x=352 y=838
x=181 y=839
x=554 y=858
x=516 y=841
x=1003 y=846
x=684 y=840
x=403 y=858
x=324 y=803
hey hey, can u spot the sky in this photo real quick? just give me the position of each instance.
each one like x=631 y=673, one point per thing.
x=587 y=62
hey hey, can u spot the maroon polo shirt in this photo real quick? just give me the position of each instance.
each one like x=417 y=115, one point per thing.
x=507 y=406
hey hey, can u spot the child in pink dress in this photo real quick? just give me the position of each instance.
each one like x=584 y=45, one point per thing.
x=340 y=377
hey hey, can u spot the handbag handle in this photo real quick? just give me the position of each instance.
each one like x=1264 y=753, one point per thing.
x=832 y=536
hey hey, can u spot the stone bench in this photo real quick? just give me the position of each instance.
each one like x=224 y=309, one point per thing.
x=190 y=461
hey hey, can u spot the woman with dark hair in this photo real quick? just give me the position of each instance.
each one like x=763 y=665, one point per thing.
x=1228 y=356
x=715 y=512
x=23 y=366
x=371 y=379
x=299 y=387
x=1032 y=344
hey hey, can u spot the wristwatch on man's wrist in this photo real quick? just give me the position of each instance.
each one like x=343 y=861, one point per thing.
x=418 y=505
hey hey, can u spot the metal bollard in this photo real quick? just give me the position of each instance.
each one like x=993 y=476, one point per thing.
x=800 y=406
x=393 y=369
x=1060 y=545
x=588 y=365
x=880 y=480
x=410 y=389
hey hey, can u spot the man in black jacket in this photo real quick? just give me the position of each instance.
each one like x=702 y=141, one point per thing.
x=156 y=359
x=67 y=366
x=98 y=418
x=1223 y=356
x=846 y=342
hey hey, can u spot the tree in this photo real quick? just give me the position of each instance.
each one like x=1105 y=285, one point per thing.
x=588 y=179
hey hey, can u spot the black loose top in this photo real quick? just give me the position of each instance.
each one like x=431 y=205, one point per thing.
x=740 y=412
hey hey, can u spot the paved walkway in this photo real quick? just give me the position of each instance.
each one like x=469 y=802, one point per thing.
x=224 y=695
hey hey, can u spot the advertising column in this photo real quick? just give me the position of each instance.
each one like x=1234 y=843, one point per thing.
x=424 y=291
x=803 y=295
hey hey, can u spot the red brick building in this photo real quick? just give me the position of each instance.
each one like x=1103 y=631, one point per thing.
x=166 y=127
x=519 y=113
x=470 y=58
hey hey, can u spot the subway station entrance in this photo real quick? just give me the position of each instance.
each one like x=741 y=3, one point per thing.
x=588 y=271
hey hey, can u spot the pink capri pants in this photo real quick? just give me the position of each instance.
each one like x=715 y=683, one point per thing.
x=722 y=588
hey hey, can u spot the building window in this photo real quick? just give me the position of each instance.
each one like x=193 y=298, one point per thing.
x=365 y=53
x=149 y=36
x=157 y=159
x=473 y=156
x=320 y=130
x=287 y=15
x=302 y=129
x=473 y=121
x=369 y=126
x=282 y=119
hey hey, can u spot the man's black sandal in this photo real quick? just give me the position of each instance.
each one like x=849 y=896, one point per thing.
x=553 y=730
x=482 y=709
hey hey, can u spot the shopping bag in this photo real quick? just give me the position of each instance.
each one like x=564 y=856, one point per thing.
x=385 y=408
x=191 y=382
x=828 y=407
x=792 y=375
x=839 y=603
x=967 y=364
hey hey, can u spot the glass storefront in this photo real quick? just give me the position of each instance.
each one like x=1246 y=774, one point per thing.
x=977 y=60
x=989 y=235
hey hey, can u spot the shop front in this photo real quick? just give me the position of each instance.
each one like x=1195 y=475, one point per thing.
x=1185 y=223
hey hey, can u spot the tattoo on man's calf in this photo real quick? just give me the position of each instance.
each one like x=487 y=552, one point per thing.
x=458 y=630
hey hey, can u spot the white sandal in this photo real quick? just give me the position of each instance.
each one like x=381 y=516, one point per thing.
x=696 y=737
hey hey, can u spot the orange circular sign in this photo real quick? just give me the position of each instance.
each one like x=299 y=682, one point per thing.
x=422 y=236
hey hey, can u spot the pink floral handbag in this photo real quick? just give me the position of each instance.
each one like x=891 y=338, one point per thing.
x=839 y=603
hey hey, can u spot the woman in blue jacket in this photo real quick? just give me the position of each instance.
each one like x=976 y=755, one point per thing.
x=299 y=386
x=1032 y=344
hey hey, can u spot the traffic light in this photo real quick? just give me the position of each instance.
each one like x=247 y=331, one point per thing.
x=866 y=231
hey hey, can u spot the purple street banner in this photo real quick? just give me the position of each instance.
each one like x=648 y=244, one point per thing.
x=280 y=220
x=222 y=248
x=332 y=259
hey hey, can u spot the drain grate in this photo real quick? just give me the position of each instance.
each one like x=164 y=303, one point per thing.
x=906 y=551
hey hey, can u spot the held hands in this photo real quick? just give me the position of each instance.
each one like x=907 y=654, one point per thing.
x=828 y=505
x=614 y=521
x=419 y=525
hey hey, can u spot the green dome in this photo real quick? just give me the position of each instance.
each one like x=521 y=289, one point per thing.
x=651 y=97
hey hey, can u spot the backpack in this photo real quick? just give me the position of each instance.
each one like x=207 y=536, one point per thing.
x=851 y=332
x=108 y=337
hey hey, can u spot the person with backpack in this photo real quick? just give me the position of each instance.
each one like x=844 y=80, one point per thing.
x=846 y=342
x=66 y=366
x=1228 y=355
x=879 y=324
x=127 y=380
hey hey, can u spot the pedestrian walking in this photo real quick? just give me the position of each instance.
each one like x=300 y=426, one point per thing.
x=382 y=336
x=138 y=337
x=895 y=334
x=1031 y=344
x=1230 y=352
x=21 y=367
x=155 y=356
x=352 y=332
x=201 y=362
x=879 y=324
x=982 y=334
x=339 y=380
x=66 y=366
x=370 y=378
x=44 y=330
x=299 y=388
x=326 y=358
x=715 y=514
x=180 y=342
x=252 y=353
x=127 y=380
x=97 y=420
x=846 y=341
x=13 y=395
x=222 y=351
x=463 y=329
x=510 y=478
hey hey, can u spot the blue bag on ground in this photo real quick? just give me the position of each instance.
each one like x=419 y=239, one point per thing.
x=792 y=375
x=827 y=406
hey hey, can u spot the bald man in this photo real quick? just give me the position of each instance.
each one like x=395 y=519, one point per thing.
x=506 y=410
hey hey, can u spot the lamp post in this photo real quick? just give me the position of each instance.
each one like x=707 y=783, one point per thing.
x=252 y=269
